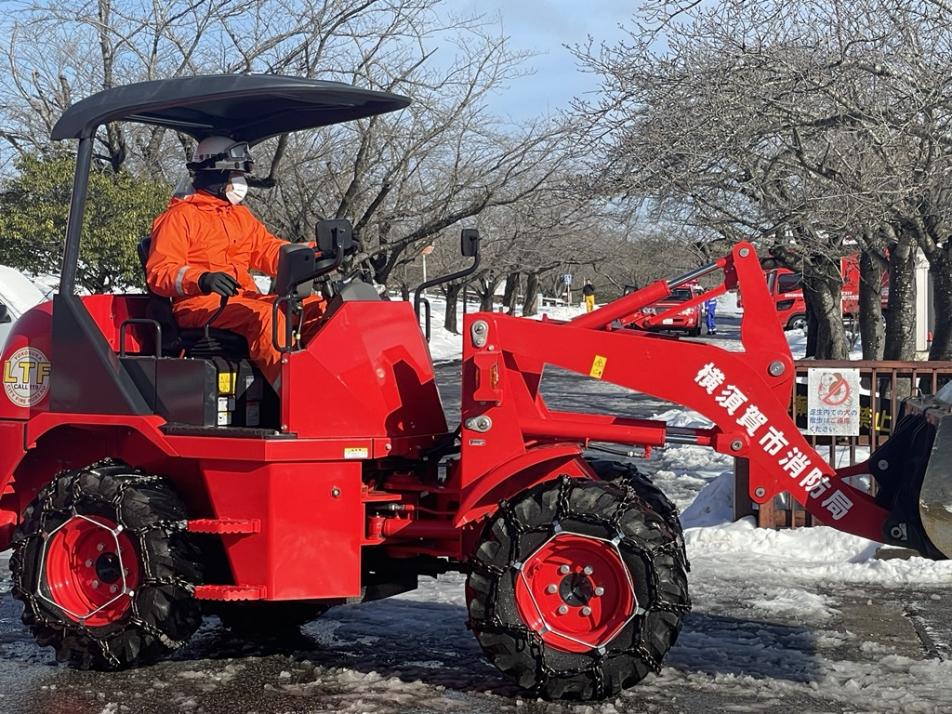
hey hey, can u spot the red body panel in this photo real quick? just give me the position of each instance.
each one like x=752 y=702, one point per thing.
x=312 y=525
x=366 y=374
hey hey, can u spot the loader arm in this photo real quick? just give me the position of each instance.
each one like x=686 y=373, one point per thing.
x=744 y=394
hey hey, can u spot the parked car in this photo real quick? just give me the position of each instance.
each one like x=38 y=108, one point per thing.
x=688 y=320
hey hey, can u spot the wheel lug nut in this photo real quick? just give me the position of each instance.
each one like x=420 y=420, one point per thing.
x=95 y=583
x=101 y=547
x=563 y=609
x=551 y=588
x=586 y=611
x=89 y=563
x=113 y=588
x=564 y=569
x=588 y=570
x=599 y=591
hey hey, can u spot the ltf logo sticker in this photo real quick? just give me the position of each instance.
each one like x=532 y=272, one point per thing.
x=26 y=377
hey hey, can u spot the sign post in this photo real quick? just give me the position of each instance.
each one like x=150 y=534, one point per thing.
x=833 y=402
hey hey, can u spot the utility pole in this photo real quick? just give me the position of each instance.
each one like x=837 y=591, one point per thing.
x=425 y=252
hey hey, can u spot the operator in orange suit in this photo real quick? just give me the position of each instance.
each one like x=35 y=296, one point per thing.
x=205 y=244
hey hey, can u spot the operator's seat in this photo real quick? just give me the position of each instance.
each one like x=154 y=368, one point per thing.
x=176 y=340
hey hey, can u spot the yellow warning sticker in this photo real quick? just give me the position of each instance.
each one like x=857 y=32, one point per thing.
x=598 y=367
x=356 y=452
x=226 y=382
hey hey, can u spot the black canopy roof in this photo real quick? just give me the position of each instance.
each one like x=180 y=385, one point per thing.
x=245 y=107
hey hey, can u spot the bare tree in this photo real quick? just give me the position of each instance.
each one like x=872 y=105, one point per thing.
x=813 y=128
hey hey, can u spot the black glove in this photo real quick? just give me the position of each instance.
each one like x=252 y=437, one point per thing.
x=221 y=283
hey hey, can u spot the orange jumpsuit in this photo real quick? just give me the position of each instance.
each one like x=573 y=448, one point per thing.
x=203 y=233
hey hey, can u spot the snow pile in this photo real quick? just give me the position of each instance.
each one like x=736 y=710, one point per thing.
x=683 y=418
x=727 y=305
x=713 y=506
x=735 y=549
x=819 y=554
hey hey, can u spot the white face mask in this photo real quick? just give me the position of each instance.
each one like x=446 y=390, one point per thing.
x=236 y=190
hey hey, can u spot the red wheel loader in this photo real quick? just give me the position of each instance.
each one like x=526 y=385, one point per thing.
x=150 y=475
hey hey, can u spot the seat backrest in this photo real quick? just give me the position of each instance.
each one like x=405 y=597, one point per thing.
x=160 y=308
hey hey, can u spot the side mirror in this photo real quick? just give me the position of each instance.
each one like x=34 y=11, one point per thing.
x=469 y=242
x=334 y=235
x=4 y=314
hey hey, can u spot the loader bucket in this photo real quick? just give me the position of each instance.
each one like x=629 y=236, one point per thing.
x=935 y=496
x=914 y=473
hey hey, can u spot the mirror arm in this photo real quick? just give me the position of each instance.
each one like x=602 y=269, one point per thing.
x=439 y=281
x=338 y=261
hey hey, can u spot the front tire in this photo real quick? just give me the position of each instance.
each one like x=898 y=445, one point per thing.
x=578 y=589
x=104 y=568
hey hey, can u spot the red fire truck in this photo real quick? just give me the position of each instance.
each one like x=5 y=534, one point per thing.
x=785 y=289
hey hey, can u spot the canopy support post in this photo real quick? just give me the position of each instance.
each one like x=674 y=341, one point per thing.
x=74 y=224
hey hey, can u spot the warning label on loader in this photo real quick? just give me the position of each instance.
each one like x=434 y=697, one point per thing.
x=26 y=377
x=833 y=403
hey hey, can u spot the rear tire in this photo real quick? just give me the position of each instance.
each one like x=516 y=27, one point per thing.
x=560 y=658
x=104 y=568
x=797 y=322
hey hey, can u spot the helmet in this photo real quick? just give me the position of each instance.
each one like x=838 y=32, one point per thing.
x=220 y=153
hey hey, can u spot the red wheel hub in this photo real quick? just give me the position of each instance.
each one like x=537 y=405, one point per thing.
x=91 y=567
x=576 y=592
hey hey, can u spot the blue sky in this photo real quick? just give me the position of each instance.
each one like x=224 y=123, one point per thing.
x=543 y=27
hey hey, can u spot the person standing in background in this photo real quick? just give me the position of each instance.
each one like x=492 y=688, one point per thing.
x=710 y=310
x=588 y=292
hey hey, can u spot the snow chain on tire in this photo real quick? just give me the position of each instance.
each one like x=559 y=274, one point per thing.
x=162 y=614
x=652 y=549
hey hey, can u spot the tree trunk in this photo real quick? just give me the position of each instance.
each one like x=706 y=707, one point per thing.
x=487 y=290
x=822 y=289
x=900 y=337
x=452 y=292
x=870 y=305
x=511 y=293
x=811 y=331
x=940 y=268
x=530 y=301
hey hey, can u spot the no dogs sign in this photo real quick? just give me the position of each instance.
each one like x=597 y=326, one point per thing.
x=833 y=402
